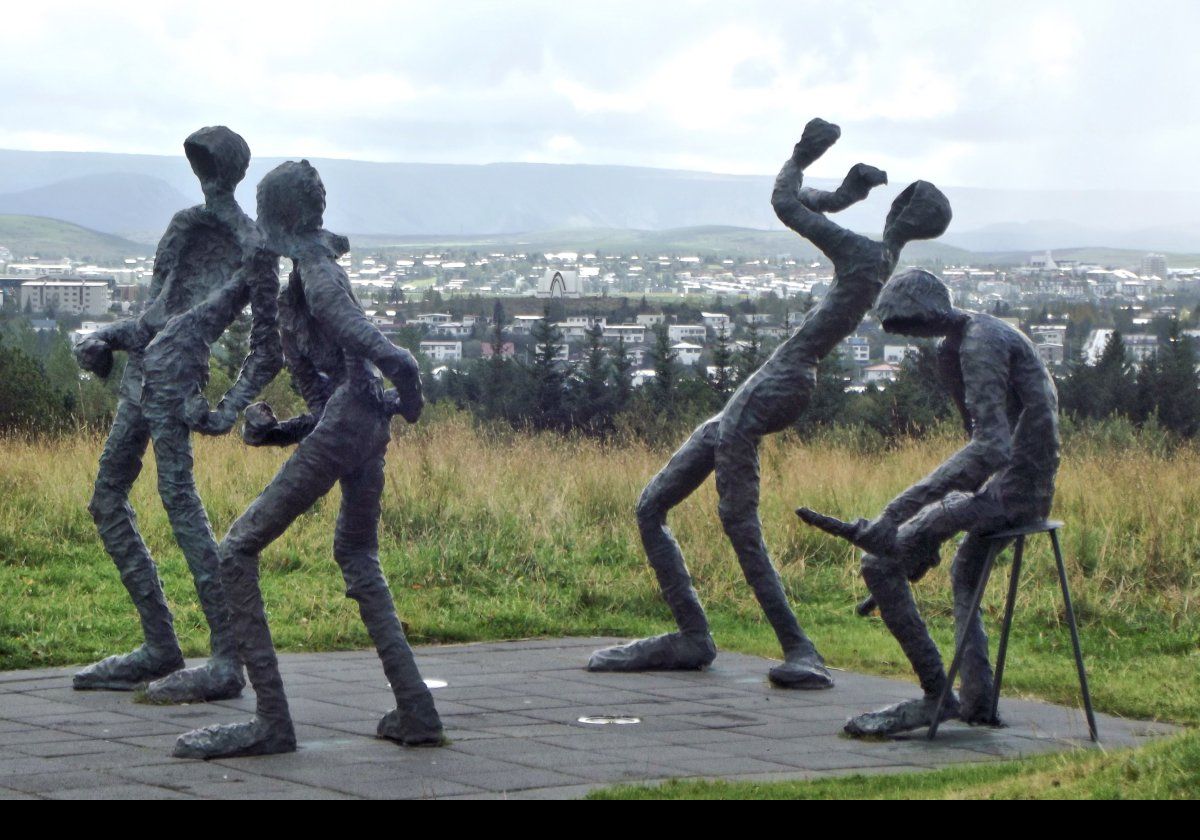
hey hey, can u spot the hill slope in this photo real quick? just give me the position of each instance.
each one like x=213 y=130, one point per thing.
x=28 y=236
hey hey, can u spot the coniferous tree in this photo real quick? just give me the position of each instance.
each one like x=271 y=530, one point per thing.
x=750 y=358
x=723 y=377
x=549 y=381
x=494 y=374
x=593 y=398
x=666 y=371
x=1167 y=386
x=622 y=377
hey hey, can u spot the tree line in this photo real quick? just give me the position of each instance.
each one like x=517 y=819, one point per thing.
x=43 y=390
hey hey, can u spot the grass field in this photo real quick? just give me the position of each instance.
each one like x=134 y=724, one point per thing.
x=502 y=535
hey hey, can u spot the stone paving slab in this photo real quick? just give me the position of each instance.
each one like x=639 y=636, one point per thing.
x=512 y=713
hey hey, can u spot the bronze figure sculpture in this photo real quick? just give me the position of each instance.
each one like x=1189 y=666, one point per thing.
x=771 y=399
x=1003 y=478
x=335 y=355
x=205 y=249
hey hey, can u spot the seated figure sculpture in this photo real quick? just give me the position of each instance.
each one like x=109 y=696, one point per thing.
x=1003 y=478
x=769 y=401
x=205 y=248
x=335 y=355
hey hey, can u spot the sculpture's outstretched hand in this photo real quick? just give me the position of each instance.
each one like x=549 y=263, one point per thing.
x=408 y=399
x=260 y=421
x=199 y=417
x=95 y=355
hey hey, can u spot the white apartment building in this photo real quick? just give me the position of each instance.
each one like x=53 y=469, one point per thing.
x=74 y=297
x=687 y=332
x=632 y=333
x=857 y=348
x=716 y=321
x=442 y=351
x=688 y=354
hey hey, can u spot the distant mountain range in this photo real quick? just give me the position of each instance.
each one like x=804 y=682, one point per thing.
x=133 y=196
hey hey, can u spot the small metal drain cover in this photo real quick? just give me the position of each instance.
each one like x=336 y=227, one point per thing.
x=431 y=684
x=606 y=720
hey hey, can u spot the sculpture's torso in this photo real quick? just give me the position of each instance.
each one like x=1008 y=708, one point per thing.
x=196 y=256
x=1031 y=404
x=777 y=393
x=310 y=344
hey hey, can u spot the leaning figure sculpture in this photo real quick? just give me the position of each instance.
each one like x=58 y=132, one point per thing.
x=204 y=249
x=335 y=355
x=769 y=401
x=1002 y=479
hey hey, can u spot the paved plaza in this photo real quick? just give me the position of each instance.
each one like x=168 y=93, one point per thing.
x=512 y=712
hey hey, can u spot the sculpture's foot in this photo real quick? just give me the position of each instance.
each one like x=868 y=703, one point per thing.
x=805 y=671
x=218 y=679
x=418 y=725
x=669 y=652
x=900 y=717
x=256 y=737
x=977 y=710
x=127 y=671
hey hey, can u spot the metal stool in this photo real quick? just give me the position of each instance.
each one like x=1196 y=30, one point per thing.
x=1051 y=527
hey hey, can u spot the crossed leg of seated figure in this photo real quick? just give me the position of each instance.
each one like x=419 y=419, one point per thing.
x=347 y=445
x=917 y=544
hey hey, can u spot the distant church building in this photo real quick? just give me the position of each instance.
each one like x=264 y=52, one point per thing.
x=556 y=283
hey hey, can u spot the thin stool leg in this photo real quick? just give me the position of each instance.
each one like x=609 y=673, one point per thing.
x=1018 y=553
x=976 y=600
x=1083 y=683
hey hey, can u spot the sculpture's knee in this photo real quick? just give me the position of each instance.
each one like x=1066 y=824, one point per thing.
x=364 y=582
x=237 y=552
x=650 y=513
x=736 y=520
x=105 y=504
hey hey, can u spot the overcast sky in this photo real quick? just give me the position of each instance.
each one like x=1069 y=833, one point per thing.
x=1046 y=94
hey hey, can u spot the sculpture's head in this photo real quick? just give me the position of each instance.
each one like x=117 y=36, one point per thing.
x=922 y=211
x=291 y=201
x=915 y=302
x=219 y=158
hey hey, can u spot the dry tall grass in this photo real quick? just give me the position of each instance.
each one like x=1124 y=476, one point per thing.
x=488 y=535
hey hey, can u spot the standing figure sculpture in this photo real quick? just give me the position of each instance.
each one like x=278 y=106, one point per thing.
x=769 y=401
x=1003 y=478
x=205 y=248
x=335 y=354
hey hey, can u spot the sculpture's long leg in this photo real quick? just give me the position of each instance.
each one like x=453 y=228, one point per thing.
x=692 y=646
x=222 y=677
x=738 y=489
x=356 y=549
x=120 y=465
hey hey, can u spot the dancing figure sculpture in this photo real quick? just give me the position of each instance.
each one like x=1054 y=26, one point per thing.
x=1003 y=478
x=205 y=248
x=770 y=400
x=335 y=354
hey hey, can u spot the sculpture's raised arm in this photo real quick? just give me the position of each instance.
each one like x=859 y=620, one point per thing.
x=801 y=208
